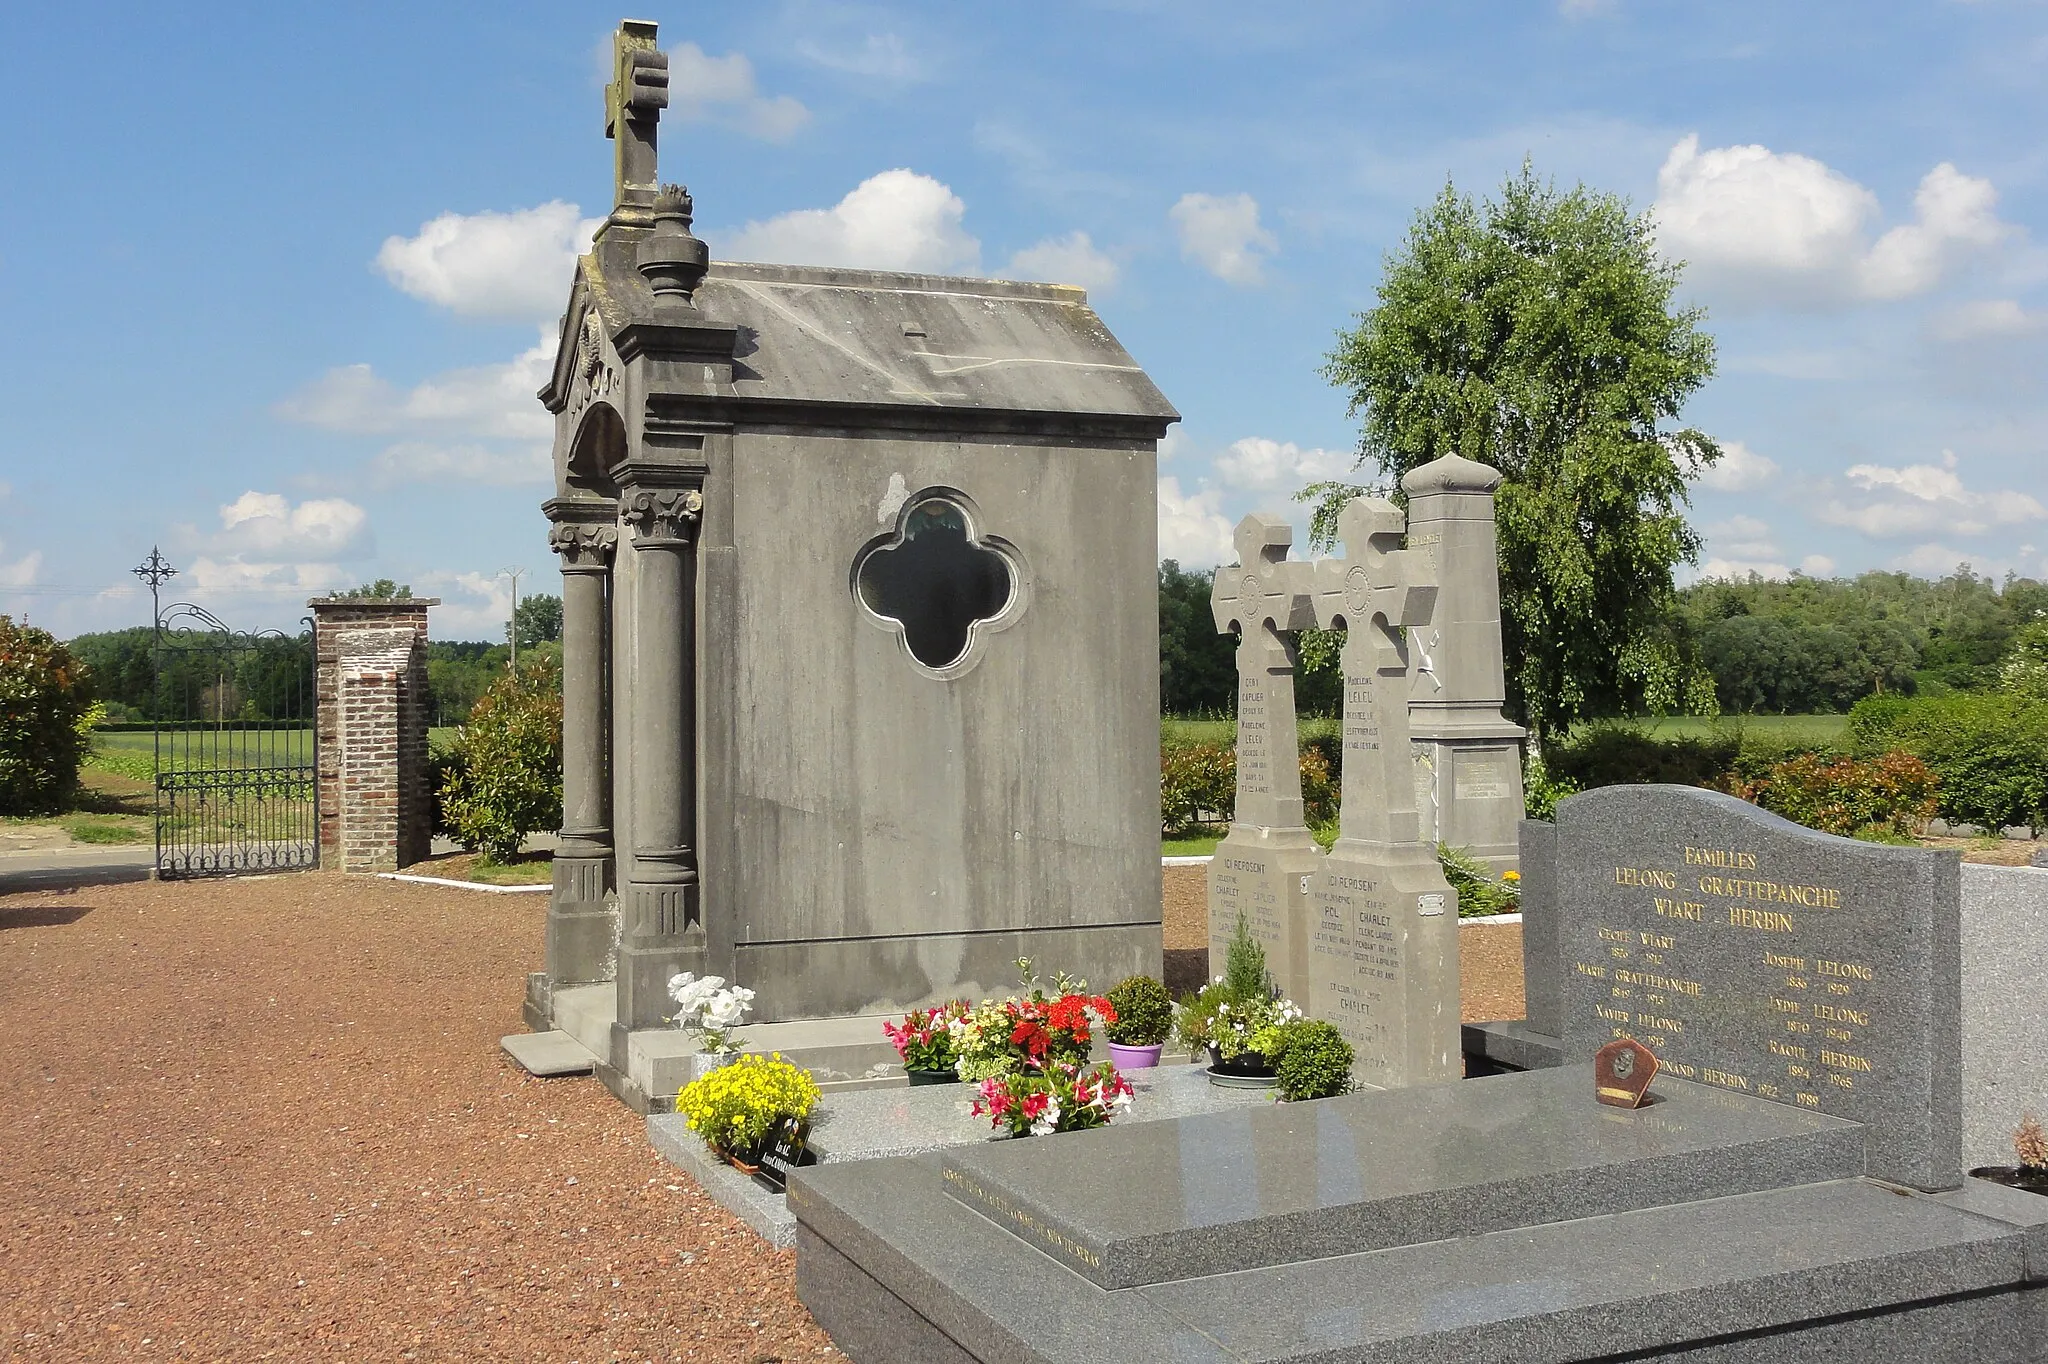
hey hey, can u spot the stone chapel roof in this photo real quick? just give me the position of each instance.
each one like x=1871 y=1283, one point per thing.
x=871 y=337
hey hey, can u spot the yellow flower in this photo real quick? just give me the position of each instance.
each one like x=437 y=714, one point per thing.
x=1511 y=875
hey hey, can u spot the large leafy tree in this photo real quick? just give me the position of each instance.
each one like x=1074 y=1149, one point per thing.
x=1536 y=332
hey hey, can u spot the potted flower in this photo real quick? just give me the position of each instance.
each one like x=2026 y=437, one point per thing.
x=1063 y=1097
x=1236 y=1018
x=712 y=1009
x=739 y=1107
x=1025 y=1034
x=1144 y=1016
x=2030 y=1145
x=924 y=1039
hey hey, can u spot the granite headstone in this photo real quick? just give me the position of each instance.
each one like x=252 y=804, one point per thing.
x=1759 y=956
x=1384 y=945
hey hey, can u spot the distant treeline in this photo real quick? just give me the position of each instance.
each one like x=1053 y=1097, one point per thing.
x=265 y=679
x=1806 y=646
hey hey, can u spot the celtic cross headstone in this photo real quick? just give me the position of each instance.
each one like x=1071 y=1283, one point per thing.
x=1383 y=949
x=1262 y=867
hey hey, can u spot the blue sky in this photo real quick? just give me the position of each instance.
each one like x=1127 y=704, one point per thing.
x=278 y=284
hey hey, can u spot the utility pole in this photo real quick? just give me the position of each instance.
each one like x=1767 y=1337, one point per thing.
x=512 y=627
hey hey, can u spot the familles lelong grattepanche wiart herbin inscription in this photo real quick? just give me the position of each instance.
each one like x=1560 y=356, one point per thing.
x=1755 y=955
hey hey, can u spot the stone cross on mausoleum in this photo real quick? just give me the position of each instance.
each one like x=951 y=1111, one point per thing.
x=1383 y=955
x=1260 y=870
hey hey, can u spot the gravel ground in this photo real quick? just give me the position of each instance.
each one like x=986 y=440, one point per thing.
x=268 y=1119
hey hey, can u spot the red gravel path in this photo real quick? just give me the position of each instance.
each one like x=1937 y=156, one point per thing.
x=268 y=1119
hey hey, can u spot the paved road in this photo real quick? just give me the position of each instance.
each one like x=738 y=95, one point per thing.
x=54 y=869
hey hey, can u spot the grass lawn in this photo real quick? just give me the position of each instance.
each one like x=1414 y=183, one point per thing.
x=1784 y=728
x=1201 y=846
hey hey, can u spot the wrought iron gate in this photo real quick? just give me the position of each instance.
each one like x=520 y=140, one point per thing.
x=233 y=739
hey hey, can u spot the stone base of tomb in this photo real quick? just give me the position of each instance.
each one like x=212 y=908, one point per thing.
x=1503 y=1218
x=1263 y=874
x=1510 y=1044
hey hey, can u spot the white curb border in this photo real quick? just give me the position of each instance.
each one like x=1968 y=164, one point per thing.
x=463 y=885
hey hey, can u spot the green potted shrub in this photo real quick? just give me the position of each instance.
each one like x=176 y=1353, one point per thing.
x=1144 y=1016
x=1236 y=1017
x=1312 y=1060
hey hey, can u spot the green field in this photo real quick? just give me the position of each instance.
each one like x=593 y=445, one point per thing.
x=132 y=753
x=1818 y=729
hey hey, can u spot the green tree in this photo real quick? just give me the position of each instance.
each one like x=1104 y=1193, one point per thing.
x=1536 y=333
x=1197 y=670
x=504 y=779
x=537 y=618
x=46 y=718
x=382 y=590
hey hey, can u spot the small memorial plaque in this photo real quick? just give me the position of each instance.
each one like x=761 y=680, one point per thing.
x=1622 y=1071
x=788 y=1148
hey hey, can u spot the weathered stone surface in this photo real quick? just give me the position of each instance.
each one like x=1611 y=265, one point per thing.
x=811 y=808
x=1468 y=757
x=1383 y=948
x=2005 y=1007
x=548 y=1053
x=1278 y=1183
x=1754 y=954
x=1260 y=871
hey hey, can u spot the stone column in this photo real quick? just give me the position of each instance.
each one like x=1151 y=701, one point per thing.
x=1261 y=869
x=1468 y=758
x=370 y=726
x=582 y=936
x=1384 y=951
x=661 y=922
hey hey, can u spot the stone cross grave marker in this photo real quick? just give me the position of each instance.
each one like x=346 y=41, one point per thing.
x=1384 y=947
x=1755 y=955
x=1261 y=868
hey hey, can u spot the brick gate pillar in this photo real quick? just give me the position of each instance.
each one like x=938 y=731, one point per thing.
x=370 y=722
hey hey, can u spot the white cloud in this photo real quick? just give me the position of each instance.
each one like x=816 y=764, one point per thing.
x=878 y=56
x=723 y=89
x=1773 y=226
x=1221 y=233
x=1930 y=560
x=1817 y=566
x=22 y=571
x=1986 y=318
x=1718 y=567
x=1173 y=443
x=1192 y=527
x=1257 y=464
x=270 y=526
x=1743 y=545
x=1742 y=537
x=504 y=265
x=897 y=220
x=479 y=424
x=1923 y=499
x=1740 y=470
x=1071 y=259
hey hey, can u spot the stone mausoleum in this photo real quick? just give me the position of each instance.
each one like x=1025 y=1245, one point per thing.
x=860 y=642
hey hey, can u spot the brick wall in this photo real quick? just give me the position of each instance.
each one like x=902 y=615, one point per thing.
x=376 y=807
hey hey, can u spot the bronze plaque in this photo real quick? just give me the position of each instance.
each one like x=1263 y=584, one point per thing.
x=1622 y=1071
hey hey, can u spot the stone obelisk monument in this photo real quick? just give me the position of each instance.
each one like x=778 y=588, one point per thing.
x=1383 y=952
x=1262 y=868
x=1468 y=758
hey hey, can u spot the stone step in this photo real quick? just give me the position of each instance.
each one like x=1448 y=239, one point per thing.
x=548 y=1053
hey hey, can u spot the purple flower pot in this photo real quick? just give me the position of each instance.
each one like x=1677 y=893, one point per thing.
x=1135 y=1058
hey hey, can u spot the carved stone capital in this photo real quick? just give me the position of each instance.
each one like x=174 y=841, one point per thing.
x=662 y=517
x=584 y=547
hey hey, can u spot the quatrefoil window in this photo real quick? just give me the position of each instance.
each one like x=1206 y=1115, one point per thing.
x=937 y=582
